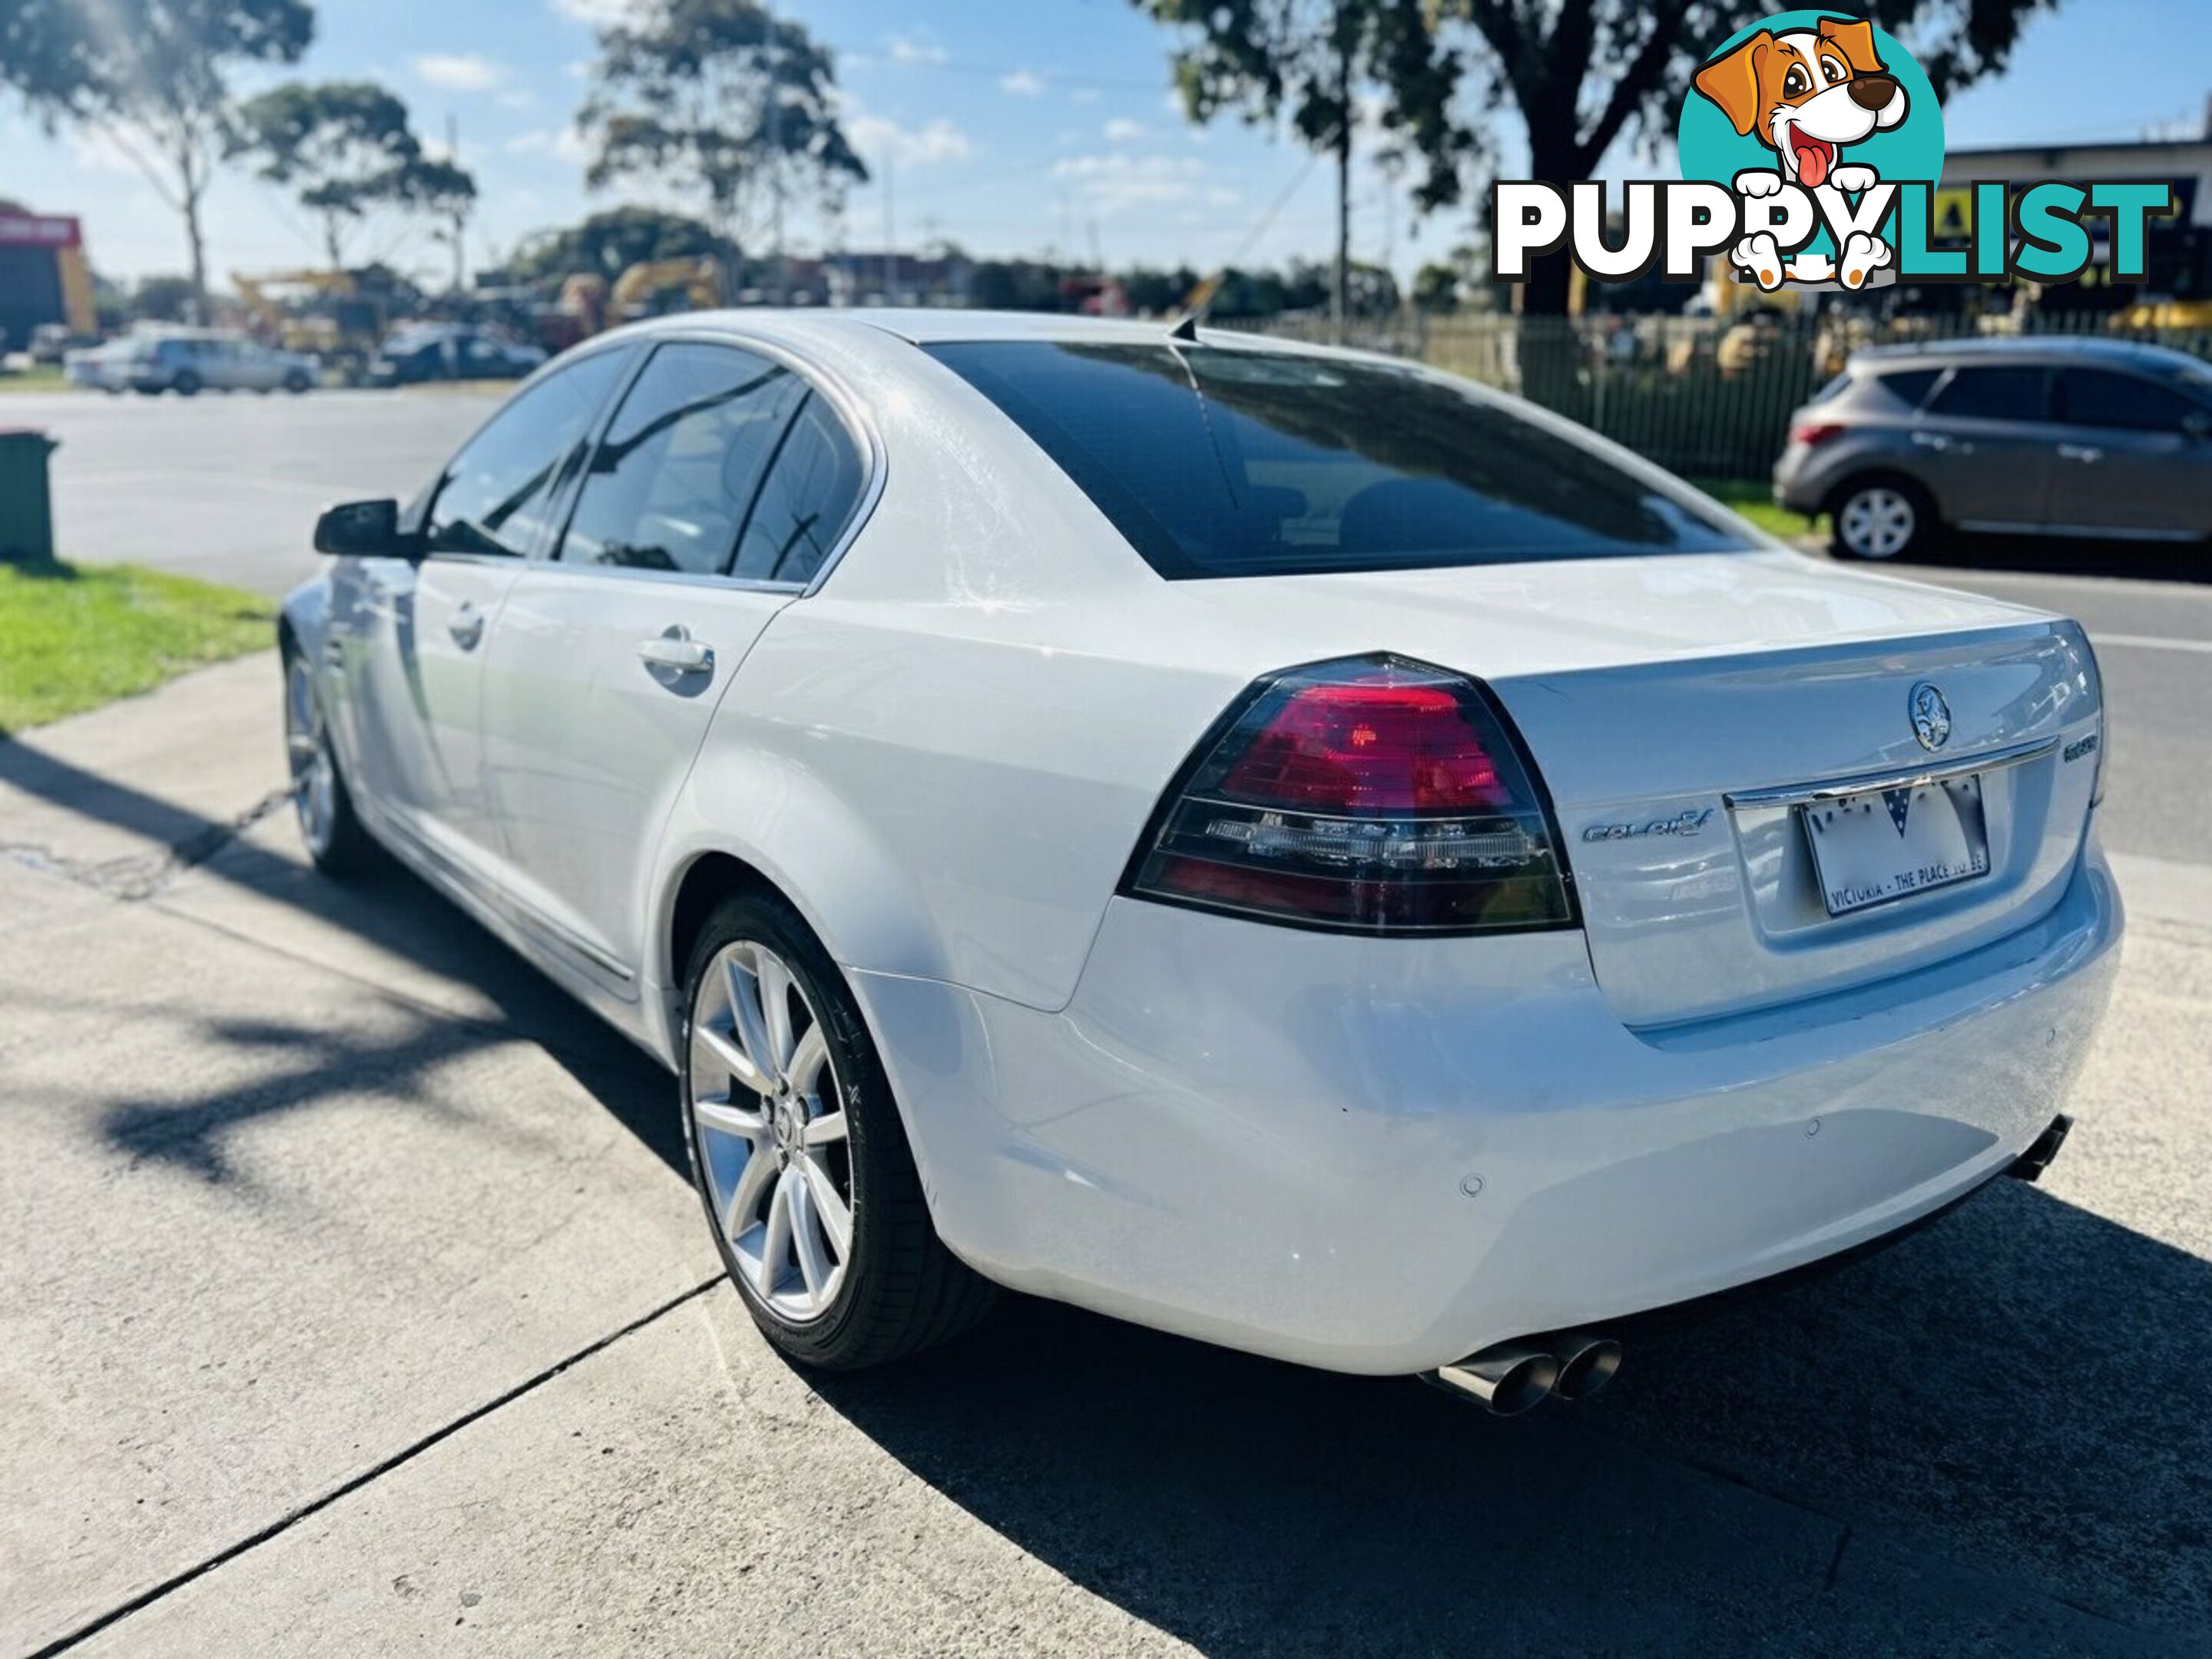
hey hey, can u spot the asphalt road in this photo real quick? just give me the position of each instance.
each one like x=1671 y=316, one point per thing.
x=356 y=1302
x=227 y=487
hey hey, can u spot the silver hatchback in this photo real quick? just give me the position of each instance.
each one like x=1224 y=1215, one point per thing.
x=2057 y=436
x=189 y=363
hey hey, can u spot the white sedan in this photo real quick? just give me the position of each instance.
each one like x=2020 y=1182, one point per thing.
x=1280 y=846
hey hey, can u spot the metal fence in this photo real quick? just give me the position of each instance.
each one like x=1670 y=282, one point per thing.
x=1705 y=397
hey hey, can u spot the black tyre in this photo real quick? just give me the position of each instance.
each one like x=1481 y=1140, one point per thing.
x=186 y=384
x=296 y=382
x=1880 y=517
x=328 y=825
x=799 y=1154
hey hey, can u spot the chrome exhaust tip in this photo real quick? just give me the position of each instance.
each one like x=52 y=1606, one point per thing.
x=1587 y=1362
x=1507 y=1379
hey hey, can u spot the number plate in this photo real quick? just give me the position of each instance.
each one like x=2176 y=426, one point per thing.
x=1888 y=844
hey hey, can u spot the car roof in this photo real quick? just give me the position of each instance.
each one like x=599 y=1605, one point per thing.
x=2041 y=348
x=921 y=325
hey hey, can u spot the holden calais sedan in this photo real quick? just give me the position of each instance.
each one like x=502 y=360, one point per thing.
x=1275 y=845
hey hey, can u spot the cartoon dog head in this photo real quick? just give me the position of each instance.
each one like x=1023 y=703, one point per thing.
x=1807 y=93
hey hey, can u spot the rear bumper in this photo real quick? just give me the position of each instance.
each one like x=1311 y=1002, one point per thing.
x=1380 y=1156
x=1801 y=484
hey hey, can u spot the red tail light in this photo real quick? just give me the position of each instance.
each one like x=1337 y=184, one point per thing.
x=1810 y=432
x=1371 y=794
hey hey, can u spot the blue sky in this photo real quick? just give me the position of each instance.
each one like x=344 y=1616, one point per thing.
x=1011 y=127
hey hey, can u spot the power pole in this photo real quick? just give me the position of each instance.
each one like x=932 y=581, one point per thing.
x=460 y=211
x=890 y=238
x=775 y=155
x=1340 y=299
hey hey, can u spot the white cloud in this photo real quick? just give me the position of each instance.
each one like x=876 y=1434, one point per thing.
x=517 y=98
x=458 y=72
x=599 y=14
x=1022 y=83
x=564 y=143
x=1084 y=96
x=1122 y=130
x=913 y=49
x=1110 y=182
x=936 y=139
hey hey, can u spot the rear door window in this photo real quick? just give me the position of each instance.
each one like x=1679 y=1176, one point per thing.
x=810 y=492
x=2010 y=393
x=2098 y=396
x=1220 y=461
x=682 y=461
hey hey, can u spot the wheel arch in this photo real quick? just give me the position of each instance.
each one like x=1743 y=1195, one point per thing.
x=755 y=821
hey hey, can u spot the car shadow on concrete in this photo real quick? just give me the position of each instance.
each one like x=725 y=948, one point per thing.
x=1993 y=1436
x=384 y=926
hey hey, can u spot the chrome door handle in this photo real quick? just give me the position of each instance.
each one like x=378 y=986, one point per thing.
x=465 y=625
x=678 y=652
x=2084 y=452
x=1935 y=440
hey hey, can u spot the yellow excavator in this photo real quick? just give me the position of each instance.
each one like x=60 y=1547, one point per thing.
x=652 y=289
x=342 y=329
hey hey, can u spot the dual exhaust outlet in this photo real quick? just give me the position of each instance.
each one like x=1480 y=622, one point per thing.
x=1510 y=1377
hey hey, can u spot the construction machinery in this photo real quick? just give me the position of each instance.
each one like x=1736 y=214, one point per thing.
x=335 y=323
x=651 y=289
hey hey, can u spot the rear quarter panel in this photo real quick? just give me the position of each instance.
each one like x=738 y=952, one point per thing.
x=946 y=755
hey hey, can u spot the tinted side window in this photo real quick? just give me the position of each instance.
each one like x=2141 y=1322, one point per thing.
x=682 y=461
x=2097 y=396
x=497 y=490
x=1911 y=385
x=2014 y=393
x=810 y=492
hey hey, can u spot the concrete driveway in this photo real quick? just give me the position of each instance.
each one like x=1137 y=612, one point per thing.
x=356 y=1300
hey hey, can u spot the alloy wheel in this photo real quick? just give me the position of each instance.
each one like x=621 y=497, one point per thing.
x=307 y=747
x=768 y=1123
x=1877 y=523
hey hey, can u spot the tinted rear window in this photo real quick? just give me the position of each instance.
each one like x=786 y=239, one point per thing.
x=1911 y=385
x=1219 y=462
x=1994 y=394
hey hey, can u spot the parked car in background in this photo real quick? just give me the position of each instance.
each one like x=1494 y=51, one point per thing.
x=452 y=352
x=2062 y=437
x=98 y=368
x=1282 y=846
x=190 y=361
x=51 y=343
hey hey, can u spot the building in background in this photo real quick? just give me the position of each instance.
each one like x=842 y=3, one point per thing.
x=2179 y=269
x=44 y=277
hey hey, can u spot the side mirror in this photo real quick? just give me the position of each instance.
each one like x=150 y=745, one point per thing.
x=2196 y=424
x=365 y=530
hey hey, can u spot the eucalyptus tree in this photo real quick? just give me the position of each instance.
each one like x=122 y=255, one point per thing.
x=724 y=105
x=346 y=150
x=1312 y=62
x=152 y=77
